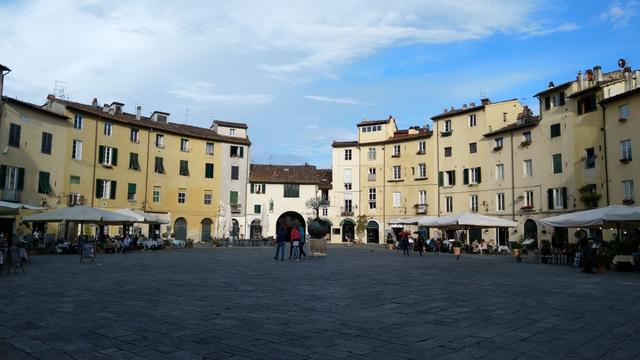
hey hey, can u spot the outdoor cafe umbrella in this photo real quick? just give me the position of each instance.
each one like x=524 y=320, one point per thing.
x=467 y=220
x=83 y=214
x=610 y=215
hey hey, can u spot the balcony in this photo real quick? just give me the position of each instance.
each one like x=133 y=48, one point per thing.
x=622 y=119
x=628 y=202
x=525 y=142
x=526 y=208
x=420 y=152
x=625 y=160
x=446 y=133
x=497 y=148
x=395 y=155
x=11 y=195
x=346 y=213
x=236 y=208
x=421 y=208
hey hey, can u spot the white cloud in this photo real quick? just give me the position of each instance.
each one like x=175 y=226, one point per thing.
x=248 y=99
x=346 y=101
x=620 y=13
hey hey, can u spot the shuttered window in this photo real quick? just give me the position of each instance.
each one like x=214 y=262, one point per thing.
x=14 y=135
x=47 y=140
x=208 y=170
x=44 y=186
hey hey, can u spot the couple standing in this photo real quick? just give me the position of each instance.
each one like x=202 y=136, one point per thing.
x=295 y=235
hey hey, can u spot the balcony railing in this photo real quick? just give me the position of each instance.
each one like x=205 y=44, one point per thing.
x=236 y=208
x=497 y=148
x=346 y=213
x=446 y=133
x=421 y=208
x=11 y=195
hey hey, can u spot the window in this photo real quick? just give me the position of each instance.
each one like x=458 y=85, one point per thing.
x=208 y=148
x=346 y=177
x=448 y=204
x=182 y=196
x=348 y=208
x=159 y=141
x=371 y=176
x=44 y=186
x=623 y=112
x=77 y=122
x=422 y=197
x=159 y=167
x=473 y=203
x=347 y=154
x=76 y=151
x=526 y=137
x=325 y=211
x=547 y=102
x=235 y=172
x=555 y=130
x=270 y=205
x=108 y=127
x=184 y=145
x=184 y=168
x=629 y=194
x=156 y=194
x=590 y=158
x=498 y=144
x=499 y=172
x=528 y=199
x=500 y=202
x=257 y=209
x=105 y=189
x=473 y=148
x=232 y=132
x=208 y=171
x=559 y=99
x=233 y=197
x=11 y=178
x=396 y=173
x=396 y=150
x=372 y=198
x=237 y=151
x=107 y=156
x=447 y=178
x=14 y=135
x=471 y=176
x=348 y=186
x=447 y=126
x=625 y=148
x=131 y=192
x=45 y=146
x=557 y=198
x=397 y=201
x=258 y=188
x=422 y=147
x=422 y=171
x=371 y=155
x=528 y=168
x=557 y=163
x=208 y=195
x=447 y=151
x=133 y=161
x=134 y=136
x=73 y=179
x=587 y=104
x=291 y=190
x=472 y=120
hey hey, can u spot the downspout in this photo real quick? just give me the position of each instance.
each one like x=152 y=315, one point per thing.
x=146 y=171
x=513 y=184
x=606 y=163
x=384 y=190
x=246 y=193
x=95 y=164
x=435 y=125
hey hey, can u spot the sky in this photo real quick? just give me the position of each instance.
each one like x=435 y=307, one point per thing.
x=303 y=74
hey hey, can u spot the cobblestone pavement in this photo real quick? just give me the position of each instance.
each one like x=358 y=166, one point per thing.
x=356 y=303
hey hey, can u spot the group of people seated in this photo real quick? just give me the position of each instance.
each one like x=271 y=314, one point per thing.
x=121 y=244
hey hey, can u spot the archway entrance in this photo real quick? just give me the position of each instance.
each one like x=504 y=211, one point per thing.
x=290 y=219
x=235 y=229
x=206 y=230
x=180 y=229
x=531 y=230
x=373 y=234
x=348 y=230
x=255 y=229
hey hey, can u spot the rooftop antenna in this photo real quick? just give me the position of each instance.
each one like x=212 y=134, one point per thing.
x=58 y=89
x=186 y=116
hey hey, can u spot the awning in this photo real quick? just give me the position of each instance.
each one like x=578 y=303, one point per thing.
x=86 y=214
x=144 y=217
x=610 y=215
x=467 y=220
x=9 y=208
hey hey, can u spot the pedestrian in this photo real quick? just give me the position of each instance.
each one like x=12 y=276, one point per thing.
x=404 y=243
x=295 y=243
x=281 y=236
x=586 y=255
x=420 y=243
x=303 y=240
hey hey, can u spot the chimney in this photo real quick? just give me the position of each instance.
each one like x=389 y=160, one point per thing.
x=3 y=71
x=445 y=111
x=160 y=116
x=452 y=108
x=589 y=75
x=598 y=71
x=628 y=78
x=138 y=112
x=551 y=85
x=580 y=81
x=472 y=104
x=485 y=101
x=115 y=108
x=94 y=103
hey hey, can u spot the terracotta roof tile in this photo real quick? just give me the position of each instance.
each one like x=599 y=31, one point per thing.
x=344 y=143
x=34 y=107
x=283 y=174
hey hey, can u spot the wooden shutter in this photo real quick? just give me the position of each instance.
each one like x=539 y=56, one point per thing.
x=465 y=176
x=20 y=179
x=241 y=149
x=113 y=190
x=550 y=198
x=564 y=198
x=264 y=188
x=252 y=187
x=3 y=175
x=453 y=177
x=101 y=154
x=114 y=156
x=479 y=177
x=440 y=178
x=99 y=188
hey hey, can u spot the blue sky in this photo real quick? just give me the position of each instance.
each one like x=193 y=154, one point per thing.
x=302 y=75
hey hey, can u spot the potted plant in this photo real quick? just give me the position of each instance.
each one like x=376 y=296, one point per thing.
x=602 y=262
x=516 y=250
x=457 y=247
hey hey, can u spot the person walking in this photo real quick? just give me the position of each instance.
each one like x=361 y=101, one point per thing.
x=295 y=243
x=303 y=240
x=404 y=243
x=281 y=237
x=420 y=243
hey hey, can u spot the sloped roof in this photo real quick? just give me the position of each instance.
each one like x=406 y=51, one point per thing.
x=620 y=96
x=375 y=122
x=283 y=174
x=34 y=107
x=231 y=124
x=344 y=143
x=179 y=129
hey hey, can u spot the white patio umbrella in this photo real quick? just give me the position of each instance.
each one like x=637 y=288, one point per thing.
x=610 y=215
x=467 y=220
x=144 y=217
x=403 y=221
x=85 y=214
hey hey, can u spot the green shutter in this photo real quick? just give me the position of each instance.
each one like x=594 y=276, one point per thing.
x=20 y=180
x=453 y=177
x=114 y=156
x=550 y=198
x=564 y=198
x=557 y=163
x=233 y=197
x=184 y=167
x=113 y=190
x=3 y=175
x=241 y=151
x=208 y=171
x=264 y=188
x=252 y=188
x=440 y=178
x=131 y=188
x=101 y=154
x=99 y=188
x=479 y=177
x=465 y=176
x=43 y=182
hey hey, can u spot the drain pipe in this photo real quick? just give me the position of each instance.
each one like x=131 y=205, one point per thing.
x=606 y=164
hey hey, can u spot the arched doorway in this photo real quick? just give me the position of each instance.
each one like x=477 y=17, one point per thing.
x=348 y=230
x=531 y=230
x=206 y=230
x=255 y=229
x=290 y=219
x=235 y=229
x=180 y=229
x=373 y=234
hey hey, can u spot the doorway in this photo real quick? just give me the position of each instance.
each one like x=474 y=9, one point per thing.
x=373 y=234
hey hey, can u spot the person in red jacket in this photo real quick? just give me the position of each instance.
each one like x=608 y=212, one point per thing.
x=295 y=243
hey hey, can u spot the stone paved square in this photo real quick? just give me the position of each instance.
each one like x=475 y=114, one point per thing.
x=356 y=303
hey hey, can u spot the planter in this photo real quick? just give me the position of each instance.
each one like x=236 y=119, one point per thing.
x=456 y=251
x=318 y=228
x=317 y=247
x=515 y=252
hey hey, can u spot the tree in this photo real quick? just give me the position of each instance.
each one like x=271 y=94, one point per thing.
x=361 y=225
x=316 y=203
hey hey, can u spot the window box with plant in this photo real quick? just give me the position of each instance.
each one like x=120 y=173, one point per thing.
x=588 y=196
x=628 y=201
x=457 y=249
x=525 y=143
x=626 y=160
x=446 y=133
x=526 y=207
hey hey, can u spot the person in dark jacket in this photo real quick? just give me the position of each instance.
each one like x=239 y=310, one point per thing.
x=420 y=243
x=281 y=237
x=404 y=243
